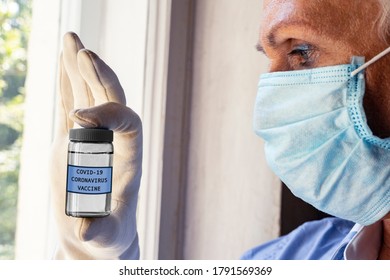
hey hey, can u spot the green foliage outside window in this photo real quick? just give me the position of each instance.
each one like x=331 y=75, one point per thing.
x=15 y=21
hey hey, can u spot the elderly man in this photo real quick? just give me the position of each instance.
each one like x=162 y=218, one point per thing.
x=323 y=139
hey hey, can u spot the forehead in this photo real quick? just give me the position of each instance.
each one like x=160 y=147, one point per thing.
x=324 y=7
x=332 y=18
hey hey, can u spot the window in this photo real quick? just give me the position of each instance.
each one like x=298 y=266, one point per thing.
x=151 y=46
x=117 y=31
x=15 y=18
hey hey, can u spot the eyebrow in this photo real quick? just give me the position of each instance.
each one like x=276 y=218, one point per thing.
x=270 y=41
x=271 y=38
x=260 y=48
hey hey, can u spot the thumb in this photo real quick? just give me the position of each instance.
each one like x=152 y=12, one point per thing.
x=110 y=115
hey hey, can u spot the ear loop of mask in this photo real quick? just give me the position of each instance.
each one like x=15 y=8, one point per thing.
x=371 y=61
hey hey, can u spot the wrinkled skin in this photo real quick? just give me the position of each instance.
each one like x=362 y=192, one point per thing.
x=302 y=34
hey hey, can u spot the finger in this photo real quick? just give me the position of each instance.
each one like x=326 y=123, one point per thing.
x=81 y=93
x=110 y=115
x=100 y=78
x=123 y=121
x=64 y=102
x=115 y=232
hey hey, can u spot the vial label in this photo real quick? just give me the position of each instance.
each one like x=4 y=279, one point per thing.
x=89 y=180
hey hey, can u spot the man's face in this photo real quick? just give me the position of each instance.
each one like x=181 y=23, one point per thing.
x=302 y=34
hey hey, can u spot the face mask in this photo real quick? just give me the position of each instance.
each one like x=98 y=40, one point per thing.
x=318 y=143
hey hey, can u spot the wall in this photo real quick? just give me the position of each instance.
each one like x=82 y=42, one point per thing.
x=232 y=198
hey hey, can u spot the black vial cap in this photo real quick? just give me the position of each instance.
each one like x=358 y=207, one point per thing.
x=91 y=135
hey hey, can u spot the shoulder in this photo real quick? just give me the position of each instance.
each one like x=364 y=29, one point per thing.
x=312 y=240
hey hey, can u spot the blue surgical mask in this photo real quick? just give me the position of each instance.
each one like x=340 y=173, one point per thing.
x=318 y=143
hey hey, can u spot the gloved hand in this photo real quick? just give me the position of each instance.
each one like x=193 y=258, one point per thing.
x=91 y=96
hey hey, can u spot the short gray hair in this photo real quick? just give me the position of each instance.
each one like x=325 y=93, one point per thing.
x=384 y=19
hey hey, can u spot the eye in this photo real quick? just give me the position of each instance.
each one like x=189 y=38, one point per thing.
x=301 y=56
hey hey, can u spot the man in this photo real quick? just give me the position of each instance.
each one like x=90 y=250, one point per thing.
x=327 y=154
x=313 y=122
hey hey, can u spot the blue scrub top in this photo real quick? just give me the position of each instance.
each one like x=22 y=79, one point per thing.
x=324 y=239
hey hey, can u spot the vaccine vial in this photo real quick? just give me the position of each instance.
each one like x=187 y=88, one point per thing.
x=89 y=175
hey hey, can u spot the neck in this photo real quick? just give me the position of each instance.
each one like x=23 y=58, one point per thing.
x=385 y=249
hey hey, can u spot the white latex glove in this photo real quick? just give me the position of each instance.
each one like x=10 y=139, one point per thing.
x=91 y=96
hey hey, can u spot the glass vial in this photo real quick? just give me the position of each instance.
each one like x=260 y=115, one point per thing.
x=89 y=175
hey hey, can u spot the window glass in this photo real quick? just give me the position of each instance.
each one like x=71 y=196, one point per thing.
x=15 y=16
